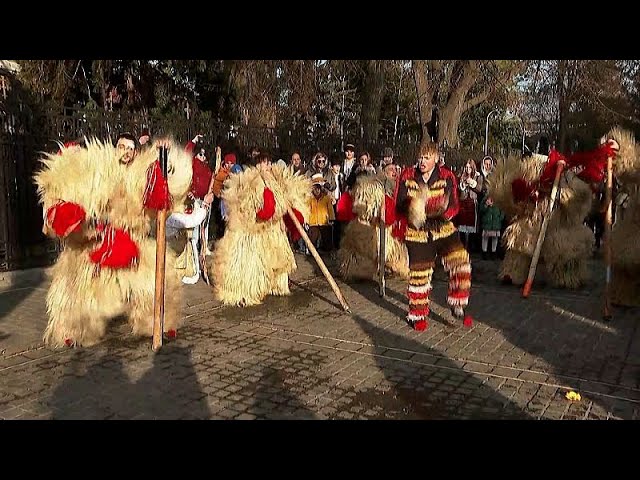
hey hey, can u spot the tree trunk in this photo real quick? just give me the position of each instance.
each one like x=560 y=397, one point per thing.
x=101 y=69
x=563 y=106
x=250 y=83
x=457 y=104
x=424 y=94
x=372 y=96
x=449 y=122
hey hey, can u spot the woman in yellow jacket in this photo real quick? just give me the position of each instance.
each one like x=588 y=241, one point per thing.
x=321 y=215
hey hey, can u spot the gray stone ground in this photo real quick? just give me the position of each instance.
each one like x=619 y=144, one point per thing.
x=302 y=357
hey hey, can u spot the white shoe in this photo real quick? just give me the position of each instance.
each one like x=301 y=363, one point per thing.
x=191 y=280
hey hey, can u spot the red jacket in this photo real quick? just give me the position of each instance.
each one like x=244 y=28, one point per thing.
x=201 y=174
x=201 y=178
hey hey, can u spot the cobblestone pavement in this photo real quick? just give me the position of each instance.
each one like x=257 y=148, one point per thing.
x=303 y=357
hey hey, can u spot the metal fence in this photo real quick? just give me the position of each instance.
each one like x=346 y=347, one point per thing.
x=24 y=134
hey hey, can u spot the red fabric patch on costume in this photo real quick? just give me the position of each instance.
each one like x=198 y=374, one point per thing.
x=549 y=172
x=435 y=204
x=268 y=205
x=419 y=312
x=291 y=227
x=407 y=173
x=459 y=294
x=454 y=205
x=65 y=217
x=389 y=210
x=399 y=228
x=418 y=296
x=156 y=193
x=117 y=250
x=593 y=163
x=344 y=208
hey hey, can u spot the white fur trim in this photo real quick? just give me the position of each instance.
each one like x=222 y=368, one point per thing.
x=466 y=268
x=458 y=302
x=420 y=289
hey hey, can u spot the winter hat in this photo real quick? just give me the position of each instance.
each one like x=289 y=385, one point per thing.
x=230 y=158
x=318 y=179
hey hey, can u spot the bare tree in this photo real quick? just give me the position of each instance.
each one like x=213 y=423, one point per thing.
x=372 y=96
x=454 y=87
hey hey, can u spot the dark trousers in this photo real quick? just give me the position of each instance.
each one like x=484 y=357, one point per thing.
x=216 y=224
x=320 y=236
x=595 y=221
x=338 y=227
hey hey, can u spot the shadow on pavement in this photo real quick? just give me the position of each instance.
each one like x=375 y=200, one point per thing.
x=98 y=387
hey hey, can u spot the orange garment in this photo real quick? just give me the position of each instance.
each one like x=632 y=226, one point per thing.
x=321 y=210
x=218 y=181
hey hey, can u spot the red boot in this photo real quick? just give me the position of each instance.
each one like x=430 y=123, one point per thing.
x=420 y=325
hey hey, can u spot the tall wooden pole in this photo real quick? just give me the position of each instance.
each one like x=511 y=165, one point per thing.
x=161 y=247
x=607 y=239
x=543 y=231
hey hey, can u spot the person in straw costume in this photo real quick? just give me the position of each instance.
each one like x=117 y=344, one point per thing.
x=359 y=247
x=625 y=281
x=254 y=258
x=102 y=202
x=521 y=189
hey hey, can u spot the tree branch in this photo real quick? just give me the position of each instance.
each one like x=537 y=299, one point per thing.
x=476 y=100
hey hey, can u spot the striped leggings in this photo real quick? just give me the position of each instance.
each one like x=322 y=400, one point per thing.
x=455 y=261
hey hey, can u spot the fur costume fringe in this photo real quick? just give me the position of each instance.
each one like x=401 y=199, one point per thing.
x=627 y=161
x=358 y=251
x=567 y=244
x=254 y=259
x=625 y=283
x=81 y=299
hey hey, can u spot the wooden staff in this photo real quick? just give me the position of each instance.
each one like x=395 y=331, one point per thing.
x=543 y=230
x=161 y=244
x=607 y=239
x=204 y=226
x=218 y=160
x=382 y=250
x=314 y=252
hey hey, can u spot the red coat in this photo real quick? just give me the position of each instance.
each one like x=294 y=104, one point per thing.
x=201 y=178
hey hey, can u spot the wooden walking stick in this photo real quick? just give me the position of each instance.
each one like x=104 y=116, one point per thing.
x=314 y=252
x=161 y=245
x=382 y=249
x=543 y=230
x=607 y=239
x=218 y=160
x=204 y=226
